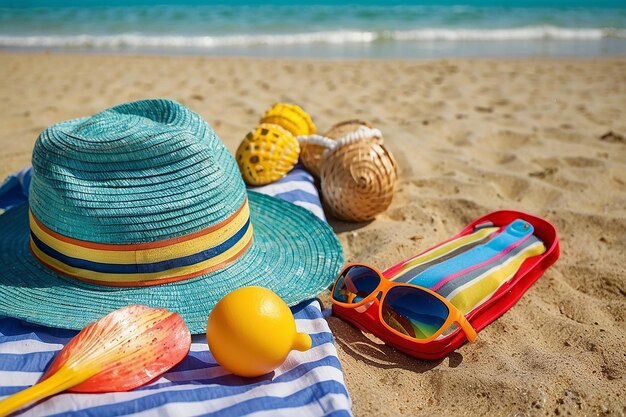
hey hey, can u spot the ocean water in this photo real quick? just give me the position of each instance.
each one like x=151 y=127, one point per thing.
x=326 y=30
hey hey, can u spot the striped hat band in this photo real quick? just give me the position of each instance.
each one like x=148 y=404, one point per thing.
x=144 y=264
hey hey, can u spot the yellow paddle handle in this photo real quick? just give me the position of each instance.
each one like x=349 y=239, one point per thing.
x=61 y=380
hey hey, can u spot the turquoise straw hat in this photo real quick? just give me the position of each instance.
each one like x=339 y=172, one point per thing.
x=143 y=204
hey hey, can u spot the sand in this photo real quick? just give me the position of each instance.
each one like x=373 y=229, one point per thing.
x=470 y=136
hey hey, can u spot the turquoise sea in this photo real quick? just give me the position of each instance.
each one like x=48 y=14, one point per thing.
x=326 y=29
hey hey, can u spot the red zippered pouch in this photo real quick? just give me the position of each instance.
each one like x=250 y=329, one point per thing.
x=482 y=271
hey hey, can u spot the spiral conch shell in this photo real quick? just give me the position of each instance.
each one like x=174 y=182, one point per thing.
x=267 y=154
x=358 y=180
x=290 y=117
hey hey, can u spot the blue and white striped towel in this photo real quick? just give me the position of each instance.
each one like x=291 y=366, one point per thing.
x=297 y=187
x=308 y=383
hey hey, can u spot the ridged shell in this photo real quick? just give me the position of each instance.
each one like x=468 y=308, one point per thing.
x=310 y=155
x=358 y=180
x=267 y=154
x=290 y=117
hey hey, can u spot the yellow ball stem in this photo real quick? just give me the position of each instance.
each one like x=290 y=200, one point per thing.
x=302 y=342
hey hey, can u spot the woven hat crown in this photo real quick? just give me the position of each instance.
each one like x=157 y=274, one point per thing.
x=138 y=172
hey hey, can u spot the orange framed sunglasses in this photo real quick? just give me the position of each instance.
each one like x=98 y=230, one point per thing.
x=409 y=311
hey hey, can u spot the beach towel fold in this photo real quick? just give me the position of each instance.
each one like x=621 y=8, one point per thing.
x=308 y=383
x=14 y=189
x=297 y=187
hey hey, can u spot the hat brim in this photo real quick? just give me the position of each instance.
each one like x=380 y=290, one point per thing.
x=294 y=254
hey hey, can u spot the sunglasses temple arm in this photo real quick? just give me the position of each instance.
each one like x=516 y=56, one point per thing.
x=467 y=328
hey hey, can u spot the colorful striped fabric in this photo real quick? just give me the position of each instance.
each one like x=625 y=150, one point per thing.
x=308 y=384
x=160 y=262
x=468 y=270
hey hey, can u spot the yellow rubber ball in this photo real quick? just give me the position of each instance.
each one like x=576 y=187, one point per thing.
x=251 y=331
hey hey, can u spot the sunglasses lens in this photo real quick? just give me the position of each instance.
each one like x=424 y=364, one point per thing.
x=355 y=283
x=414 y=312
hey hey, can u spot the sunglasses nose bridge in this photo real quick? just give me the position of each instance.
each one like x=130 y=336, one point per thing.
x=376 y=295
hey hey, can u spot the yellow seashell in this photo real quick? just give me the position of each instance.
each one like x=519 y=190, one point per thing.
x=267 y=154
x=290 y=117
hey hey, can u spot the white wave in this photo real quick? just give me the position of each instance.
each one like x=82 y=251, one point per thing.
x=136 y=40
x=523 y=33
x=131 y=40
